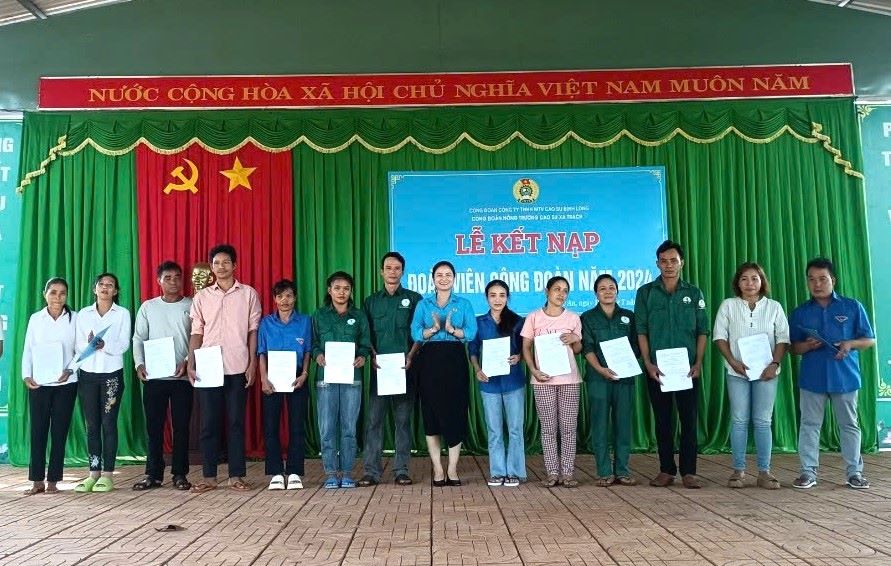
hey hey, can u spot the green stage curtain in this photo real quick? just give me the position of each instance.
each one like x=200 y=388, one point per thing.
x=770 y=181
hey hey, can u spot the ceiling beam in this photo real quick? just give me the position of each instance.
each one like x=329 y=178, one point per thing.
x=33 y=8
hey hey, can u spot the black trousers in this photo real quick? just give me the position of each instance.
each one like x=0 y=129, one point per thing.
x=216 y=402
x=157 y=396
x=51 y=410
x=100 y=401
x=688 y=408
x=272 y=418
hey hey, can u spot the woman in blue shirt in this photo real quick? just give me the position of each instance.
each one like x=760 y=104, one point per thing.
x=441 y=324
x=504 y=396
x=285 y=331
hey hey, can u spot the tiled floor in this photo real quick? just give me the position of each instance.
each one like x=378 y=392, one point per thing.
x=474 y=524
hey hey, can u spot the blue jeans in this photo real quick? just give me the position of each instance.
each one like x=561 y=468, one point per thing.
x=376 y=412
x=751 y=401
x=813 y=406
x=498 y=408
x=338 y=411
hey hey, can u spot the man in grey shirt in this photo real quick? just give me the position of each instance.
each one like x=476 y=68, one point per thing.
x=163 y=317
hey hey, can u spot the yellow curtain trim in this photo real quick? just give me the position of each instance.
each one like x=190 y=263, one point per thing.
x=51 y=156
x=817 y=132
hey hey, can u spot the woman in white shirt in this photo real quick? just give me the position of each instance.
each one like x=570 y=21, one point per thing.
x=101 y=378
x=752 y=397
x=51 y=390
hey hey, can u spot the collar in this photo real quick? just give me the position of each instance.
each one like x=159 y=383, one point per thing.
x=660 y=283
x=399 y=291
x=602 y=312
x=834 y=298
x=216 y=286
x=44 y=312
x=451 y=300
x=114 y=307
x=332 y=310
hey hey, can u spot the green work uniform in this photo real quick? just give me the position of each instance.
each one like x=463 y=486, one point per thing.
x=673 y=320
x=330 y=326
x=389 y=319
x=609 y=398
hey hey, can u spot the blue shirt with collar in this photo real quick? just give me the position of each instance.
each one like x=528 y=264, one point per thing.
x=487 y=329
x=841 y=319
x=293 y=336
x=463 y=317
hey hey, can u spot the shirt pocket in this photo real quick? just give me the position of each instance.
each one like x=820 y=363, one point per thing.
x=841 y=327
x=603 y=332
x=686 y=319
x=458 y=318
x=403 y=319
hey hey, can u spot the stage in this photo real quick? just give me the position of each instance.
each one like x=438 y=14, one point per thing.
x=828 y=525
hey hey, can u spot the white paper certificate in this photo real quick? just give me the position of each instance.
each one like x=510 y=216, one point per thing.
x=209 y=366
x=620 y=357
x=46 y=363
x=281 y=370
x=674 y=363
x=339 y=358
x=391 y=375
x=755 y=353
x=495 y=356
x=160 y=357
x=552 y=354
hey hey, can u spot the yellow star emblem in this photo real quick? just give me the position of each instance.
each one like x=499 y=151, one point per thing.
x=238 y=175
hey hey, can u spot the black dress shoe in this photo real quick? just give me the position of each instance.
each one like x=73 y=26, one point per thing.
x=403 y=479
x=453 y=482
x=367 y=481
x=438 y=483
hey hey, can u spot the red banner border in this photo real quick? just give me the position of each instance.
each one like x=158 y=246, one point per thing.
x=383 y=90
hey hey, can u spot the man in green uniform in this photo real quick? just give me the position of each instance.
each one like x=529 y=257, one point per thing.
x=670 y=313
x=389 y=313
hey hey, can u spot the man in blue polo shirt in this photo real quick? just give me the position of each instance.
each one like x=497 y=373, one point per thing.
x=827 y=332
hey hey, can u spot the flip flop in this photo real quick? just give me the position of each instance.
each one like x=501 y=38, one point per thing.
x=86 y=486
x=238 y=484
x=103 y=485
x=146 y=483
x=203 y=487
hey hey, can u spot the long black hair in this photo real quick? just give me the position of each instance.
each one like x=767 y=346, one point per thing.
x=58 y=281
x=508 y=317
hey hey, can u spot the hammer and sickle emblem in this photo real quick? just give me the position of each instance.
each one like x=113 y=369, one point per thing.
x=187 y=184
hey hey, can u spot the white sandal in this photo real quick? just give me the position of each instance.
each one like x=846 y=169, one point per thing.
x=294 y=482
x=277 y=482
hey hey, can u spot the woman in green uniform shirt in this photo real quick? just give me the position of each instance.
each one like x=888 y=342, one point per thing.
x=609 y=396
x=338 y=403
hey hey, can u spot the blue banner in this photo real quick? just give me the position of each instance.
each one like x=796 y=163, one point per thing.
x=876 y=132
x=10 y=218
x=526 y=226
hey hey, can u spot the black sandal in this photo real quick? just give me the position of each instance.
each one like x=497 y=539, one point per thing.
x=146 y=483
x=182 y=483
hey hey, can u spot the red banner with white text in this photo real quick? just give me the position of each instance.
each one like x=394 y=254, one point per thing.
x=444 y=89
